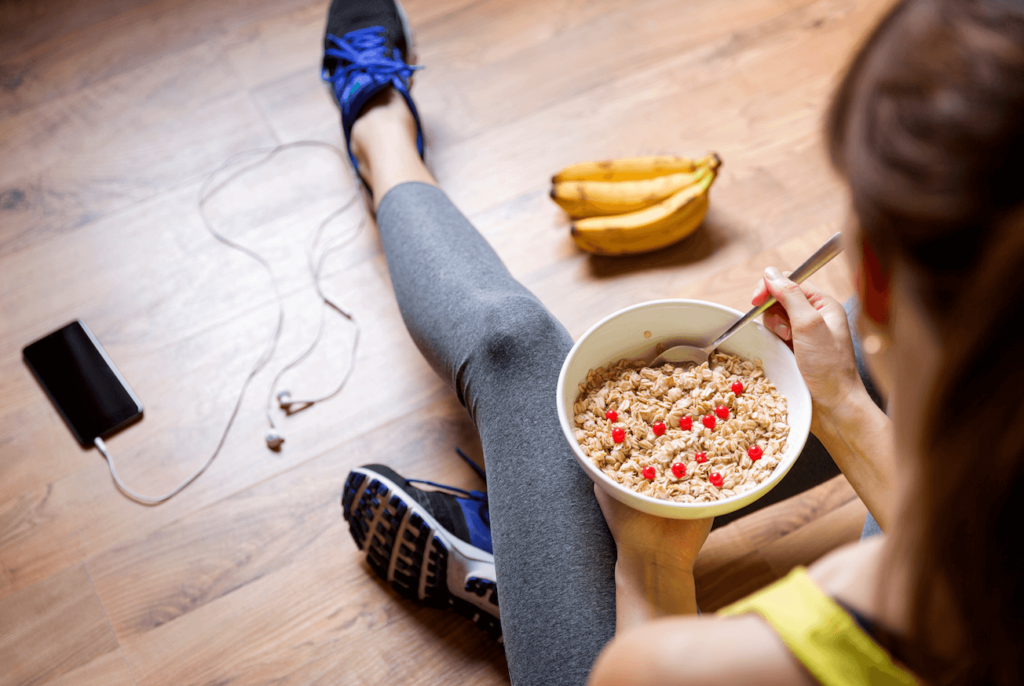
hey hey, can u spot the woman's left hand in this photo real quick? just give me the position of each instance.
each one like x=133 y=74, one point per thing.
x=642 y=538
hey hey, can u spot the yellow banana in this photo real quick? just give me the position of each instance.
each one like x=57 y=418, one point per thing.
x=596 y=198
x=628 y=169
x=651 y=228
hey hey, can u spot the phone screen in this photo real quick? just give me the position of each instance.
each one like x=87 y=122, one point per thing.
x=82 y=382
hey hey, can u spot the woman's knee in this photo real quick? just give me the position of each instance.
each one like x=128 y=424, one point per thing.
x=521 y=333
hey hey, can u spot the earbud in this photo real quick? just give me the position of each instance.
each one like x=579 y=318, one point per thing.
x=274 y=440
x=285 y=401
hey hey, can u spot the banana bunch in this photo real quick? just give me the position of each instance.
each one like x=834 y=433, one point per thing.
x=636 y=204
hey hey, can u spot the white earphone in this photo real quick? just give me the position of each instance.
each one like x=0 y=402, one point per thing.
x=285 y=401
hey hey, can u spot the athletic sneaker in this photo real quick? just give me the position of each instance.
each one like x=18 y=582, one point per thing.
x=367 y=58
x=432 y=545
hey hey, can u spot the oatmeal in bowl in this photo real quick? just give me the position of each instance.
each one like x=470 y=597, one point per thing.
x=682 y=441
x=684 y=433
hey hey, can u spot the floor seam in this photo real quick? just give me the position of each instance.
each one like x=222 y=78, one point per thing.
x=106 y=618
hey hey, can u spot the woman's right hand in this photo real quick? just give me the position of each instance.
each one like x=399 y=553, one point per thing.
x=814 y=325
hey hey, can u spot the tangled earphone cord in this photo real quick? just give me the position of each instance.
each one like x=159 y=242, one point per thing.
x=205 y=194
x=316 y=270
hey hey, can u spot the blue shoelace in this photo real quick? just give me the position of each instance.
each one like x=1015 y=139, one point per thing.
x=364 y=50
x=472 y=495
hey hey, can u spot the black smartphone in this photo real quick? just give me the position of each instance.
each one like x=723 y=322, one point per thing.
x=89 y=392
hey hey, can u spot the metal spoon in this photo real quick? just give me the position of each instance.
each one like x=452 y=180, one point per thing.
x=682 y=354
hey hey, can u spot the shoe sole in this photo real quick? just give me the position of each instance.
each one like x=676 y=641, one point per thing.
x=405 y=546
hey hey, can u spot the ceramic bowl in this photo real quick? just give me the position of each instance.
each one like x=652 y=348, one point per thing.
x=634 y=332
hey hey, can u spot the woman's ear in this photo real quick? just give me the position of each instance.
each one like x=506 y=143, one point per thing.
x=873 y=286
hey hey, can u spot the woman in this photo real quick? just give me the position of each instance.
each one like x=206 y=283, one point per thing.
x=925 y=128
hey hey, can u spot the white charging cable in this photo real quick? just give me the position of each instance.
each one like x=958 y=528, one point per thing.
x=274 y=440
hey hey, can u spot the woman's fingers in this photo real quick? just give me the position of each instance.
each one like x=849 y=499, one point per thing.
x=775 y=319
x=789 y=294
x=760 y=293
x=806 y=298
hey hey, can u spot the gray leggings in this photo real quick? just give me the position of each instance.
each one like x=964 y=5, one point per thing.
x=501 y=351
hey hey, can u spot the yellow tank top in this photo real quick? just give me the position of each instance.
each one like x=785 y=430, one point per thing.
x=821 y=635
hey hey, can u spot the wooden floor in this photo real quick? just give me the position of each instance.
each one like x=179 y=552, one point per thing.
x=111 y=114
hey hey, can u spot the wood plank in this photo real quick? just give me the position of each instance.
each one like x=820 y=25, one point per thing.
x=24 y=24
x=106 y=670
x=325 y=626
x=52 y=628
x=123 y=140
x=146 y=36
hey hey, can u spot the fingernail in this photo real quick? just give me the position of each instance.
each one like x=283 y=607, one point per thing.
x=757 y=289
x=772 y=274
x=783 y=331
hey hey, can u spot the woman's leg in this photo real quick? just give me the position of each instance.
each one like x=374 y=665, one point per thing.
x=501 y=351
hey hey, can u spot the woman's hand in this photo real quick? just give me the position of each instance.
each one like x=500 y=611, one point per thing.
x=643 y=538
x=814 y=325
x=654 y=568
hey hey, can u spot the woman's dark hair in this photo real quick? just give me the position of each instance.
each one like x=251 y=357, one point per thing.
x=927 y=127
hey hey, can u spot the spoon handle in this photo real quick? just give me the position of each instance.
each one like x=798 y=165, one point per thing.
x=819 y=259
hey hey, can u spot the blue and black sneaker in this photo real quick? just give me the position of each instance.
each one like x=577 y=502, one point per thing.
x=367 y=58
x=431 y=545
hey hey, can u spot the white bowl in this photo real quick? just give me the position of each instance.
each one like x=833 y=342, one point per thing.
x=624 y=335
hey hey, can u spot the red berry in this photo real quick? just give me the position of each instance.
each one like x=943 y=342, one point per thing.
x=709 y=421
x=658 y=428
x=722 y=411
x=686 y=423
x=611 y=416
x=737 y=388
x=679 y=470
x=755 y=452
x=701 y=457
x=649 y=473
x=716 y=480
x=618 y=435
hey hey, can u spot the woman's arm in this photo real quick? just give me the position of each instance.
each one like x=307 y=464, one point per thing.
x=688 y=651
x=857 y=434
x=651 y=589
x=860 y=438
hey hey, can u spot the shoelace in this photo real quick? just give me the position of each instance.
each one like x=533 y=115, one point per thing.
x=365 y=50
x=479 y=496
x=472 y=495
x=474 y=465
